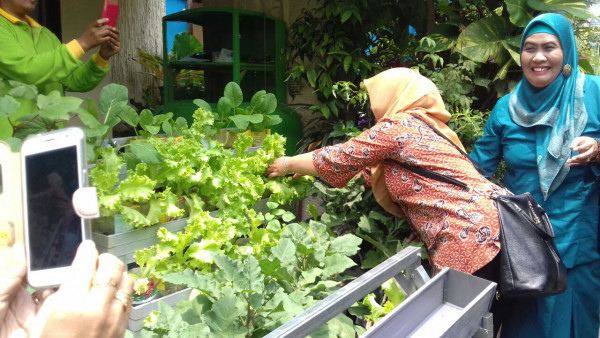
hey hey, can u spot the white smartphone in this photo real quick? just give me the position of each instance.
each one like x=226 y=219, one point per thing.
x=53 y=167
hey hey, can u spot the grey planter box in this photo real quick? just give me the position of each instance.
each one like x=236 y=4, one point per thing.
x=451 y=304
x=141 y=311
x=124 y=245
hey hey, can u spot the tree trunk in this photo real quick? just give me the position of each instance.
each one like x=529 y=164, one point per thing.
x=140 y=25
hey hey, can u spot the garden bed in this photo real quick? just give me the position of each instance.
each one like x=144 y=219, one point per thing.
x=141 y=311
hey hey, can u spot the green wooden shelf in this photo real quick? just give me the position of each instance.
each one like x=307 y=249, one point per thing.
x=257 y=43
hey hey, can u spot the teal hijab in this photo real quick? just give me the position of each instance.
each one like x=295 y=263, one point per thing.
x=557 y=111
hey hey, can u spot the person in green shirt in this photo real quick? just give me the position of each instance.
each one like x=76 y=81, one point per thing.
x=34 y=55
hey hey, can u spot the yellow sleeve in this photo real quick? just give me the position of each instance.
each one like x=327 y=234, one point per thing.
x=75 y=49
x=99 y=60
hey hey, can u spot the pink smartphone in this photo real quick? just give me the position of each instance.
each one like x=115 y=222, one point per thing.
x=111 y=12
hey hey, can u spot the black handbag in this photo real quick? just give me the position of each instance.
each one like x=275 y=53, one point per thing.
x=529 y=261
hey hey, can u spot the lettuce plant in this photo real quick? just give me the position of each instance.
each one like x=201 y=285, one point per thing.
x=248 y=295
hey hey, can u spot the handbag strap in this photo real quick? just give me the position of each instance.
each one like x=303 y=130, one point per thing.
x=475 y=164
x=433 y=175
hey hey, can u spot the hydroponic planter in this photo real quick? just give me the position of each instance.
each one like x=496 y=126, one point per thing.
x=141 y=311
x=124 y=245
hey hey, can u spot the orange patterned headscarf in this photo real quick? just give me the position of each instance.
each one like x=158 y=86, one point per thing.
x=403 y=90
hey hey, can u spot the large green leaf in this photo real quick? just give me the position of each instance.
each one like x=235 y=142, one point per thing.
x=8 y=105
x=586 y=66
x=87 y=118
x=224 y=106
x=442 y=37
x=285 y=251
x=185 y=44
x=242 y=121
x=346 y=245
x=483 y=39
x=336 y=264
x=113 y=100
x=25 y=91
x=520 y=13
x=130 y=116
x=203 y=104
x=146 y=152
x=234 y=93
x=579 y=9
x=249 y=278
x=223 y=318
x=56 y=107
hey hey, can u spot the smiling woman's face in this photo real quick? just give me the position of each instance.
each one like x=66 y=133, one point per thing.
x=541 y=59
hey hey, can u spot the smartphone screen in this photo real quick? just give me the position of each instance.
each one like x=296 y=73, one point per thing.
x=55 y=230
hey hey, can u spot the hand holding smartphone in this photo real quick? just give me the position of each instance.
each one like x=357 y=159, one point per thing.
x=53 y=167
x=111 y=12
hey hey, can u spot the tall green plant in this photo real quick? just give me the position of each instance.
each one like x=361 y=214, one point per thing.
x=343 y=40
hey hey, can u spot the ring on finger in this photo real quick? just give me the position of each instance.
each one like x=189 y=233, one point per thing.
x=123 y=297
x=107 y=281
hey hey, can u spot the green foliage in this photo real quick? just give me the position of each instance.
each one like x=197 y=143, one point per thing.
x=588 y=40
x=455 y=81
x=257 y=116
x=468 y=125
x=354 y=209
x=347 y=41
x=251 y=295
x=164 y=171
x=185 y=44
x=27 y=112
x=371 y=310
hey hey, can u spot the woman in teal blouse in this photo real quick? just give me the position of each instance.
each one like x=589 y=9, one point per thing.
x=547 y=132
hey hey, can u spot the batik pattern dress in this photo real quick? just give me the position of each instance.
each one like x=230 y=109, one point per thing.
x=459 y=227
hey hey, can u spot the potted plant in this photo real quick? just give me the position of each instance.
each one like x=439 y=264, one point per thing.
x=254 y=118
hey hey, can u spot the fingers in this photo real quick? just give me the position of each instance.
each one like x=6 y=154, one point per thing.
x=121 y=304
x=275 y=169
x=100 y=22
x=82 y=270
x=107 y=279
x=586 y=147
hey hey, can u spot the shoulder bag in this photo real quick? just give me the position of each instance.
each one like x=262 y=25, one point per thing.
x=529 y=261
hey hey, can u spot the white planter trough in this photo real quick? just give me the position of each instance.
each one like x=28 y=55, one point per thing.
x=124 y=245
x=141 y=311
x=451 y=304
